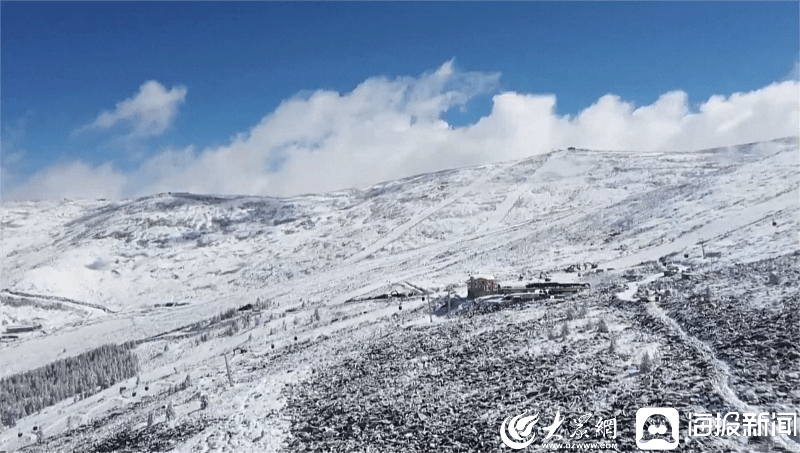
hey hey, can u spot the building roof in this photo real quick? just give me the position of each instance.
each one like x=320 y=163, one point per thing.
x=482 y=276
x=514 y=285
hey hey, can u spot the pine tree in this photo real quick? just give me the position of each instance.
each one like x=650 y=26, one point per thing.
x=29 y=392
x=150 y=419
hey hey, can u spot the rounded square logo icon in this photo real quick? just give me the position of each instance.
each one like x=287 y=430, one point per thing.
x=657 y=428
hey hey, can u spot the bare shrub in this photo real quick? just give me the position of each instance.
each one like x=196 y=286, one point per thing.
x=571 y=313
x=646 y=364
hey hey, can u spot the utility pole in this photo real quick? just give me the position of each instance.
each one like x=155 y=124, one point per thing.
x=228 y=368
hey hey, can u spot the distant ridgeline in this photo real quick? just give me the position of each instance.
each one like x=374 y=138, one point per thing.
x=26 y=393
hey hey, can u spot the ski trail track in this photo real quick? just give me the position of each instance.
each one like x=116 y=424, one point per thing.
x=502 y=209
x=721 y=373
x=414 y=220
x=716 y=228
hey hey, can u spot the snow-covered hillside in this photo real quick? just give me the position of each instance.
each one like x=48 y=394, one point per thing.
x=93 y=271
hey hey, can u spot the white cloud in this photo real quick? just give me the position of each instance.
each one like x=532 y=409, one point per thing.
x=12 y=152
x=795 y=73
x=74 y=181
x=386 y=129
x=150 y=112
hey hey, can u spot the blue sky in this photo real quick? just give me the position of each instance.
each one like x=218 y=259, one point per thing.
x=232 y=64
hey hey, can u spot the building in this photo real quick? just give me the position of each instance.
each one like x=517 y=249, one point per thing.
x=22 y=329
x=481 y=285
x=485 y=285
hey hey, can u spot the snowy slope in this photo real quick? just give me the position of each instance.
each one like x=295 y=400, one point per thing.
x=616 y=209
x=540 y=213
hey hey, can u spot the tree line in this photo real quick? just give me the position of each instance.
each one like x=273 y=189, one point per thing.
x=26 y=393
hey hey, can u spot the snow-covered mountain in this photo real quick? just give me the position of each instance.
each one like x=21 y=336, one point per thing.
x=94 y=271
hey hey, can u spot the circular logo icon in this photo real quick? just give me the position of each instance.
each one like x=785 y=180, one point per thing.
x=519 y=429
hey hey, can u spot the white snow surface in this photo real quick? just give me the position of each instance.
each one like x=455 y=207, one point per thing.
x=319 y=251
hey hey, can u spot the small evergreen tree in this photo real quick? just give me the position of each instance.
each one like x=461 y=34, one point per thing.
x=646 y=365
x=170 y=413
x=150 y=419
